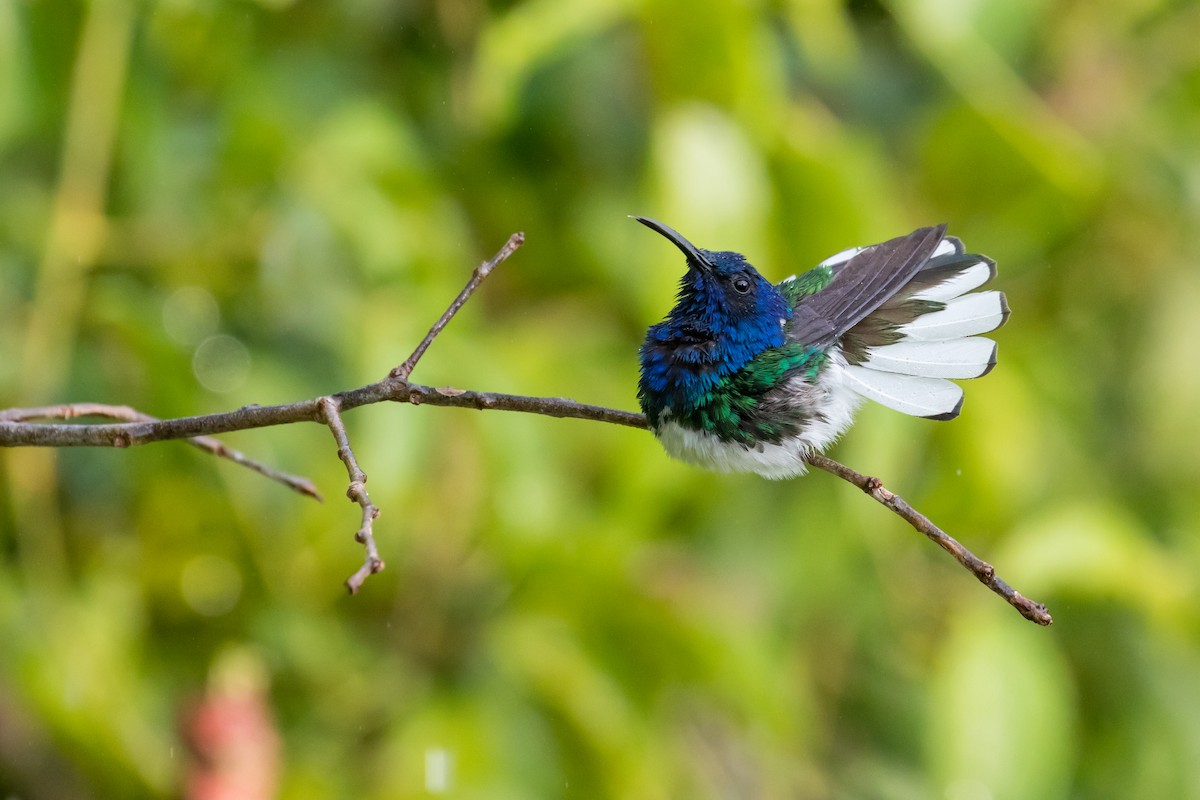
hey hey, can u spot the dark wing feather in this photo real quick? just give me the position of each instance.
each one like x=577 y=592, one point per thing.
x=861 y=285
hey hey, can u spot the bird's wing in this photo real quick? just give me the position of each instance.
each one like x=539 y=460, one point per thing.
x=858 y=282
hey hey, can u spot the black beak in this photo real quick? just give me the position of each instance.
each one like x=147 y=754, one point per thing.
x=694 y=255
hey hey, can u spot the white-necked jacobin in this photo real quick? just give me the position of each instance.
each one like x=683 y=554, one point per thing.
x=746 y=376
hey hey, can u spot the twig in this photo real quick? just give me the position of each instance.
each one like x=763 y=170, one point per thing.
x=478 y=275
x=985 y=572
x=206 y=443
x=357 y=492
x=16 y=431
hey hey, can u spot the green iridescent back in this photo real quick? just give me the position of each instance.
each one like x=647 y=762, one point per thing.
x=807 y=284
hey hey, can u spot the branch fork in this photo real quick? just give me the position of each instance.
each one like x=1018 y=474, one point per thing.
x=19 y=428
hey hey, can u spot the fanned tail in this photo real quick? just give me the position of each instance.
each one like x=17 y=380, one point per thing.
x=903 y=354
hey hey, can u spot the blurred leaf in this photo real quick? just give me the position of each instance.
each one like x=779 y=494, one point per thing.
x=1001 y=697
x=522 y=40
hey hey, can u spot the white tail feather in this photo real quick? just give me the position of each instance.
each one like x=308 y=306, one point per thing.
x=908 y=394
x=947 y=246
x=963 y=316
x=971 y=277
x=959 y=358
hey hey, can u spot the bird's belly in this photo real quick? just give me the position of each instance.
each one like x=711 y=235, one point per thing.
x=783 y=460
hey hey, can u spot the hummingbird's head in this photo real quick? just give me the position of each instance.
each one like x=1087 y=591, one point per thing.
x=725 y=315
x=723 y=292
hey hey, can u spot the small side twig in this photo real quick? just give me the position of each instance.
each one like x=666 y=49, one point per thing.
x=985 y=572
x=208 y=444
x=478 y=275
x=357 y=492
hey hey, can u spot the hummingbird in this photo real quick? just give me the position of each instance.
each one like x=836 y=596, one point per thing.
x=748 y=376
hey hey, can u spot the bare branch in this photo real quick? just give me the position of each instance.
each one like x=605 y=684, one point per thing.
x=130 y=434
x=478 y=276
x=365 y=535
x=206 y=443
x=124 y=435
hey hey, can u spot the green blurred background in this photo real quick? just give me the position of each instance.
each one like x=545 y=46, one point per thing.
x=206 y=204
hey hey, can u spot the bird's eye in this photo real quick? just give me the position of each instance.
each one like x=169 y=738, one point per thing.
x=741 y=284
